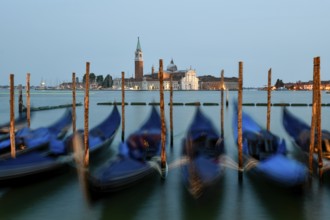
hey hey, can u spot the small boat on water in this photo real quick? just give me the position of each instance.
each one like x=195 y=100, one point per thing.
x=27 y=139
x=137 y=158
x=203 y=149
x=58 y=155
x=265 y=155
x=300 y=133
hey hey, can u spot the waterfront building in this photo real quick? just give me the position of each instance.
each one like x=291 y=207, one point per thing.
x=182 y=79
x=189 y=81
x=209 y=82
x=299 y=85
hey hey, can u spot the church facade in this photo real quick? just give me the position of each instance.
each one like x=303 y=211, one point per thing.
x=185 y=79
x=181 y=79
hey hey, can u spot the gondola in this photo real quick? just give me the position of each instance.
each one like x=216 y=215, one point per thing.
x=265 y=155
x=299 y=131
x=20 y=122
x=203 y=149
x=34 y=164
x=99 y=136
x=27 y=139
x=137 y=158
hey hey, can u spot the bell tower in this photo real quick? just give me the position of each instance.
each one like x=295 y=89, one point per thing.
x=138 y=61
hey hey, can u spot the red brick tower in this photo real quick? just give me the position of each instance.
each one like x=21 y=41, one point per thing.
x=138 y=61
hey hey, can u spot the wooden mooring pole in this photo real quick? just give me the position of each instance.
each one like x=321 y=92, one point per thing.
x=171 y=111
x=122 y=106
x=74 y=102
x=28 y=100
x=312 y=131
x=12 y=118
x=269 y=90
x=318 y=114
x=239 y=123
x=81 y=147
x=86 y=118
x=163 y=164
x=227 y=102
x=20 y=99
x=222 y=88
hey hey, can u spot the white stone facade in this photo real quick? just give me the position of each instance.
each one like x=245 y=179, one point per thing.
x=189 y=81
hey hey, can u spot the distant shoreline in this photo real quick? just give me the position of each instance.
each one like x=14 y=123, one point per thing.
x=110 y=89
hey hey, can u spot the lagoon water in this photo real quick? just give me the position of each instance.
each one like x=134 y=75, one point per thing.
x=61 y=197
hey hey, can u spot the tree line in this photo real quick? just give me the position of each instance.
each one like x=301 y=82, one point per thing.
x=104 y=82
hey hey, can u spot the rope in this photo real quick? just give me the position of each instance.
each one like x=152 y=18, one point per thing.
x=154 y=162
x=224 y=161
x=182 y=161
x=251 y=164
x=228 y=162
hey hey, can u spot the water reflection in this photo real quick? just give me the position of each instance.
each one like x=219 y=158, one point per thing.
x=21 y=201
x=280 y=203
x=127 y=204
x=208 y=206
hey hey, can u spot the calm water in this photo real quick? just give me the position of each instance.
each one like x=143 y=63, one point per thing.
x=61 y=197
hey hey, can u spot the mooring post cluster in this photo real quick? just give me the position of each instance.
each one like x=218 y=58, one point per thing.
x=315 y=133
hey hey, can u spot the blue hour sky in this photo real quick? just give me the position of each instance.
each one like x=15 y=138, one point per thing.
x=52 y=39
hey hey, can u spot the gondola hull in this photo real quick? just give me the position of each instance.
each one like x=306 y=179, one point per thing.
x=27 y=139
x=203 y=149
x=100 y=136
x=281 y=171
x=300 y=133
x=135 y=161
x=265 y=156
x=120 y=174
x=33 y=164
x=30 y=166
x=19 y=122
x=207 y=174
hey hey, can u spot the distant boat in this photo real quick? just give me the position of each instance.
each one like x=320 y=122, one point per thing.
x=281 y=89
x=42 y=86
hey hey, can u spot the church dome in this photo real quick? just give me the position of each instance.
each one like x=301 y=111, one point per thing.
x=172 y=67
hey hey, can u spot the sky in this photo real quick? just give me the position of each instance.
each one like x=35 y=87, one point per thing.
x=52 y=39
